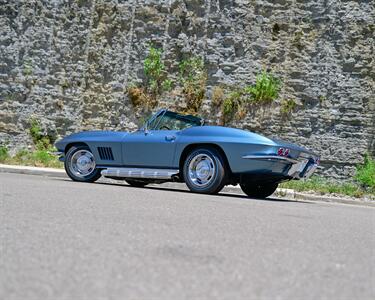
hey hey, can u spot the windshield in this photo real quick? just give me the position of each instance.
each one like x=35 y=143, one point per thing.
x=167 y=120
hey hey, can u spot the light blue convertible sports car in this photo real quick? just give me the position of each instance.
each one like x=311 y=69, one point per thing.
x=175 y=147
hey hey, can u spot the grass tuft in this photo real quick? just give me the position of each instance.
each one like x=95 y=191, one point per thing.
x=323 y=186
x=3 y=153
x=266 y=88
x=37 y=158
x=365 y=175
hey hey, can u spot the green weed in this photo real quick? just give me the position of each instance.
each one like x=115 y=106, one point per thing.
x=265 y=90
x=38 y=158
x=323 y=186
x=155 y=71
x=156 y=81
x=366 y=173
x=4 y=155
x=40 y=140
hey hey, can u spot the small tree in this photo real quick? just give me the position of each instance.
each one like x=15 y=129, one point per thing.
x=154 y=70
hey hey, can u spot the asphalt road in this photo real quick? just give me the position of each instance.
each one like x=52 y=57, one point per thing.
x=67 y=240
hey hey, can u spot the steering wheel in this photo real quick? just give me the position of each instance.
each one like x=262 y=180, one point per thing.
x=164 y=127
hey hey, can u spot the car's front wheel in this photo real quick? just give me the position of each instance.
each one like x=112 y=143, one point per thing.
x=257 y=190
x=80 y=164
x=204 y=171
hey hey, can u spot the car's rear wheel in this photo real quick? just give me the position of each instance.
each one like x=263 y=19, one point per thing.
x=80 y=164
x=204 y=171
x=136 y=183
x=258 y=190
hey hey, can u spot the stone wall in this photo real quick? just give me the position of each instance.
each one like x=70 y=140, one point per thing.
x=68 y=63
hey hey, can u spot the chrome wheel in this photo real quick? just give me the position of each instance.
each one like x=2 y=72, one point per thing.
x=82 y=163
x=201 y=170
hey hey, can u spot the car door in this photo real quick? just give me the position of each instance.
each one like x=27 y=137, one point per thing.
x=152 y=148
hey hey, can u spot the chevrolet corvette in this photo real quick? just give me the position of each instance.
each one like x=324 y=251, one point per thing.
x=182 y=148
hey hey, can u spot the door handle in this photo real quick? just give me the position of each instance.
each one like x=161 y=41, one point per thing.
x=170 y=138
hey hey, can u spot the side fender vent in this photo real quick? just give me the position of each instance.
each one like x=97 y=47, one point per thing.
x=105 y=153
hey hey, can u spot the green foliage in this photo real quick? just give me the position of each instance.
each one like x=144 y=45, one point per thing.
x=35 y=130
x=287 y=106
x=229 y=106
x=323 y=186
x=265 y=90
x=167 y=85
x=38 y=158
x=193 y=79
x=366 y=173
x=146 y=96
x=40 y=140
x=154 y=69
x=232 y=105
x=153 y=64
x=3 y=153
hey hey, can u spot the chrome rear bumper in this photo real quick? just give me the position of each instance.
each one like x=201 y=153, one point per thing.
x=298 y=168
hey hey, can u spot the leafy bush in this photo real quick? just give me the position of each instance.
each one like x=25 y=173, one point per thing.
x=3 y=153
x=154 y=69
x=234 y=105
x=366 y=173
x=167 y=85
x=265 y=90
x=193 y=79
x=38 y=158
x=156 y=82
x=324 y=186
x=229 y=106
x=40 y=140
x=35 y=130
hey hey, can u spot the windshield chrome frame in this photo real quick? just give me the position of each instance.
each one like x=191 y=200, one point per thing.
x=145 y=127
x=159 y=113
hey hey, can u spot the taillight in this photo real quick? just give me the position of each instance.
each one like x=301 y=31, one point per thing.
x=283 y=152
